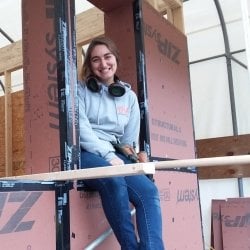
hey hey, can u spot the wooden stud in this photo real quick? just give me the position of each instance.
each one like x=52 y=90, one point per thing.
x=8 y=125
x=173 y=9
x=178 y=21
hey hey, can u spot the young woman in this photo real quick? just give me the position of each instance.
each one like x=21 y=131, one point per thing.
x=109 y=113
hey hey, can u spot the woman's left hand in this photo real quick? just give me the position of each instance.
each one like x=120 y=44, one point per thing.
x=116 y=161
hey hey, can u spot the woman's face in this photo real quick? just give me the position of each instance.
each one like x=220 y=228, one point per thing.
x=103 y=63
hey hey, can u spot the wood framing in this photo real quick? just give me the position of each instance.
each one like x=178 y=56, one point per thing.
x=11 y=56
x=14 y=134
x=134 y=169
x=175 y=16
x=204 y=162
x=11 y=60
x=94 y=20
x=8 y=124
x=172 y=11
x=224 y=146
x=90 y=173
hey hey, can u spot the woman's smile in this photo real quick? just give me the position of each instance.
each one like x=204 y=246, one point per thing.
x=103 y=64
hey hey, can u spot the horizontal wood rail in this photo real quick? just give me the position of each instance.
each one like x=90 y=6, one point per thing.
x=133 y=169
x=204 y=162
x=90 y=173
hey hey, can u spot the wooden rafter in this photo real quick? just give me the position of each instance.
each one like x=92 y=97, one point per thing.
x=11 y=57
x=173 y=3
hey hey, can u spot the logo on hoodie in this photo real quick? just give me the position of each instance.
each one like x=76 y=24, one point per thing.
x=122 y=110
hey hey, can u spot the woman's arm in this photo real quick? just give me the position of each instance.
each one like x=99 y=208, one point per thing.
x=132 y=129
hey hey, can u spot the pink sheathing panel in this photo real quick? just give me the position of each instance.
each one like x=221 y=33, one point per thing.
x=42 y=152
x=180 y=210
x=168 y=83
x=27 y=220
x=216 y=227
x=180 y=204
x=88 y=221
x=121 y=30
x=236 y=224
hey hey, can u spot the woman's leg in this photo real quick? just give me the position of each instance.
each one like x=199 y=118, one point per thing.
x=115 y=201
x=144 y=195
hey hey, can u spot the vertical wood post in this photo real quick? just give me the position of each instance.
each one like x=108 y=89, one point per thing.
x=8 y=124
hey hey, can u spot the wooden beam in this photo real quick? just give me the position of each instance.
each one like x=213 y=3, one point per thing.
x=90 y=173
x=109 y=5
x=134 y=169
x=8 y=125
x=11 y=57
x=178 y=21
x=154 y=4
x=173 y=3
x=224 y=146
x=160 y=4
x=173 y=9
x=203 y=162
x=89 y=24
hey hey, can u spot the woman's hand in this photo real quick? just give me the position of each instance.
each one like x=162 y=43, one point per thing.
x=116 y=161
x=142 y=156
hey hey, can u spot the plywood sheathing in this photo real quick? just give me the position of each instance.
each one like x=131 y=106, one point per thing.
x=17 y=134
x=224 y=146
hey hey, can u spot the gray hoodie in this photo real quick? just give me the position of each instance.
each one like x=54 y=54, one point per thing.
x=104 y=118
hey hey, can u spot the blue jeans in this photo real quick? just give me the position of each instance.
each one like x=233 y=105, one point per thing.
x=116 y=194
